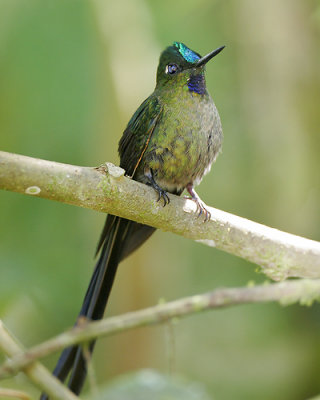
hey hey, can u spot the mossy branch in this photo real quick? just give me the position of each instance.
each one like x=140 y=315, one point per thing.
x=304 y=291
x=36 y=372
x=106 y=189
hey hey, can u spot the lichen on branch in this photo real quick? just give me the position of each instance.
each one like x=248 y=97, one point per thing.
x=107 y=189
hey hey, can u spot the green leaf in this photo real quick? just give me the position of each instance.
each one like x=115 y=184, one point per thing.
x=149 y=384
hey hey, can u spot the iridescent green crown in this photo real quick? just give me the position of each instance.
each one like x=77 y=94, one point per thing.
x=186 y=53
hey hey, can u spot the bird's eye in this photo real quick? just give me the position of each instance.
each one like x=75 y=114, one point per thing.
x=171 y=69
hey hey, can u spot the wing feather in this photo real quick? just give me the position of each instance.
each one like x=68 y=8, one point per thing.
x=137 y=135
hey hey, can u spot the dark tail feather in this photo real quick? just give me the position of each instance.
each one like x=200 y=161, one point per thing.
x=119 y=238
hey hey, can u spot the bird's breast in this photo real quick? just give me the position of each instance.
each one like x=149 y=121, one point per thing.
x=184 y=143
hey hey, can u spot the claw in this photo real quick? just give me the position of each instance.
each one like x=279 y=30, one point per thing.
x=162 y=194
x=201 y=207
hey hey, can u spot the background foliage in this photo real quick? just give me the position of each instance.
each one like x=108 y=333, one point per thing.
x=71 y=75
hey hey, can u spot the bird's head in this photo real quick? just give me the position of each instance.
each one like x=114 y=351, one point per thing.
x=181 y=66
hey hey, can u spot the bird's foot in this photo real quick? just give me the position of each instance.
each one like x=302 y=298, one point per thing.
x=201 y=206
x=162 y=194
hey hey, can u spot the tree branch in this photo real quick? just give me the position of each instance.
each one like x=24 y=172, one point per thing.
x=304 y=291
x=35 y=372
x=16 y=394
x=106 y=189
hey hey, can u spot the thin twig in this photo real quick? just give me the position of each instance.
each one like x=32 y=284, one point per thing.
x=91 y=372
x=36 y=372
x=304 y=291
x=106 y=189
x=16 y=394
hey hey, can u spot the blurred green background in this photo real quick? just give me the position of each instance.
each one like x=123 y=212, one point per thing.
x=71 y=75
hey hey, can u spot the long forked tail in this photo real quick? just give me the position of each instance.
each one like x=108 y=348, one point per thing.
x=119 y=238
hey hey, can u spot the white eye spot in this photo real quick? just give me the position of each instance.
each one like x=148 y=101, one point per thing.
x=171 y=69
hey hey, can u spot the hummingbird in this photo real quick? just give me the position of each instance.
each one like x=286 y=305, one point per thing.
x=170 y=143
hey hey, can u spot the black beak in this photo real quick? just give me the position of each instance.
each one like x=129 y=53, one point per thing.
x=208 y=57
